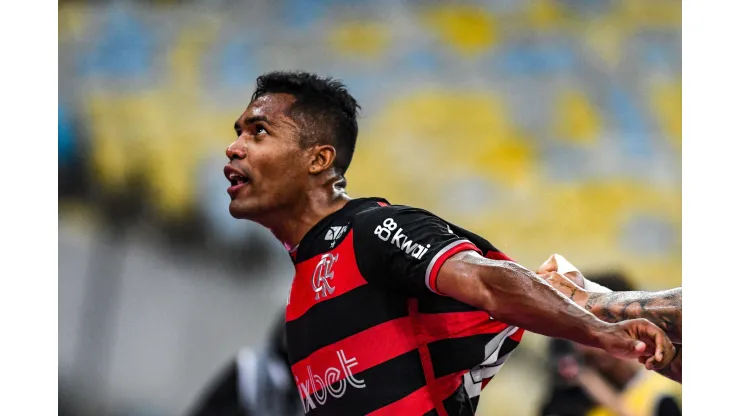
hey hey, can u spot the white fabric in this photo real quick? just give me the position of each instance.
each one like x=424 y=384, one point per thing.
x=564 y=266
x=594 y=287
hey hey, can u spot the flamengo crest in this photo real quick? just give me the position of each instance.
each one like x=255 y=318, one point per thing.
x=322 y=274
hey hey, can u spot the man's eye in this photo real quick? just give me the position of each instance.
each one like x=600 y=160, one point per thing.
x=259 y=130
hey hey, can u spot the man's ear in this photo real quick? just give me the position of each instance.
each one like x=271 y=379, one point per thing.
x=322 y=158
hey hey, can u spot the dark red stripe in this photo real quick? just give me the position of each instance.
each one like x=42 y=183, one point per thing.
x=485 y=383
x=416 y=403
x=347 y=277
x=517 y=336
x=438 y=326
x=440 y=261
x=370 y=347
x=448 y=384
x=382 y=204
x=497 y=255
x=426 y=359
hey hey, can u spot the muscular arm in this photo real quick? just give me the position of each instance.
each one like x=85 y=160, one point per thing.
x=519 y=297
x=661 y=308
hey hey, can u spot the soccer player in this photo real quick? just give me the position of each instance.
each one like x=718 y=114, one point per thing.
x=392 y=310
x=663 y=308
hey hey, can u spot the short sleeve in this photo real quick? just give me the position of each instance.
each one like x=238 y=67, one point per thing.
x=404 y=248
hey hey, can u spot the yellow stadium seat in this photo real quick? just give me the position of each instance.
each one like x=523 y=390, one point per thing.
x=577 y=119
x=174 y=143
x=359 y=39
x=649 y=14
x=186 y=53
x=604 y=37
x=480 y=141
x=545 y=14
x=73 y=21
x=667 y=104
x=110 y=147
x=468 y=29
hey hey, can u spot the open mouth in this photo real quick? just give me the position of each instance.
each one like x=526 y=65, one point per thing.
x=236 y=178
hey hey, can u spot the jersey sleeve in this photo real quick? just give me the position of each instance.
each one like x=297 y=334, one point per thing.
x=403 y=248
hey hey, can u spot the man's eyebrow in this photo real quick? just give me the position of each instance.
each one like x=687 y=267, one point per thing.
x=255 y=119
x=251 y=120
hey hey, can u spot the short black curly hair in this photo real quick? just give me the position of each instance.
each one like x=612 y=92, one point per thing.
x=324 y=109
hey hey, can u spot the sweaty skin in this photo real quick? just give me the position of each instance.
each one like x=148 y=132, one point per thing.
x=662 y=308
x=517 y=296
x=288 y=186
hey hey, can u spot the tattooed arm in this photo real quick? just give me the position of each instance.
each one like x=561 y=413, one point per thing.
x=661 y=308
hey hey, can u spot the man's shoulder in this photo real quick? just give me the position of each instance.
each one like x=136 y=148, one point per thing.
x=380 y=218
x=373 y=208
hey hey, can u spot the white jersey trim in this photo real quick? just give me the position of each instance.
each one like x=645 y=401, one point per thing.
x=435 y=259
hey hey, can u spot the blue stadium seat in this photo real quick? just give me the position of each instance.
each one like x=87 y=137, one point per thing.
x=124 y=50
x=235 y=63
x=67 y=139
x=631 y=123
x=519 y=59
x=421 y=60
x=300 y=14
x=649 y=235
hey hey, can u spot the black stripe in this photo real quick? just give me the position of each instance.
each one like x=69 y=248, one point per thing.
x=384 y=384
x=321 y=326
x=507 y=347
x=474 y=401
x=457 y=354
x=459 y=404
x=314 y=243
x=433 y=303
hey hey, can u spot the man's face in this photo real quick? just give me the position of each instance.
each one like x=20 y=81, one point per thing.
x=268 y=170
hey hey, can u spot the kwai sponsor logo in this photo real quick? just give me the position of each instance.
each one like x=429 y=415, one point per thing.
x=400 y=240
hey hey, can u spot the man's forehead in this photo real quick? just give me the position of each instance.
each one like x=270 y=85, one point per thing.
x=271 y=105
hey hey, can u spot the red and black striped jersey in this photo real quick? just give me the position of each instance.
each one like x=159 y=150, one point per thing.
x=367 y=331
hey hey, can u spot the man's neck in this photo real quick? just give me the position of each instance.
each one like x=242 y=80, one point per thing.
x=291 y=229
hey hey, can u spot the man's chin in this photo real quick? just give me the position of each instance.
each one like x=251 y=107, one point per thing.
x=239 y=211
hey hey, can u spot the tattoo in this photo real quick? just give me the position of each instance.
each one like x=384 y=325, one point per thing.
x=673 y=371
x=573 y=292
x=593 y=298
x=661 y=308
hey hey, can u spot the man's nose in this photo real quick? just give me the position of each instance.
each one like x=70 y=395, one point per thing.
x=236 y=150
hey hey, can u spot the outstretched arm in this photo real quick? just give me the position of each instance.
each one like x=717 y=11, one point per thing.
x=517 y=296
x=661 y=308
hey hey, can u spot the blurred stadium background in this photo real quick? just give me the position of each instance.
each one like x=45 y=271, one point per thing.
x=543 y=125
